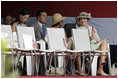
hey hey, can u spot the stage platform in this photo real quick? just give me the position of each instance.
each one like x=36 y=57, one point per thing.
x=68 y=77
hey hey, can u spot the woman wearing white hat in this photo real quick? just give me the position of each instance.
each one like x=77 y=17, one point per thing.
x=96 y=42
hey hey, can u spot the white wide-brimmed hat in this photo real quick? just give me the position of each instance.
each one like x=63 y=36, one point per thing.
x=84 y=15
x=57 y=17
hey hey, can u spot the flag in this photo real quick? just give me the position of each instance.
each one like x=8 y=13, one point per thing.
x=93 y=31
x=65 y=43
x=34 y=44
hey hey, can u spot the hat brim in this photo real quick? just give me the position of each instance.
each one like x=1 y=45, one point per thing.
x=58 y=20
x=79 y=17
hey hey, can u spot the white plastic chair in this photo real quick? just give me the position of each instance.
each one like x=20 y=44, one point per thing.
x=6 y=32
x=55 y=40
x=81 y=42
x=26 y=37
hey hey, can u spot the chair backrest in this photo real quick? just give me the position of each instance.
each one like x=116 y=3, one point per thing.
x=81 y=39
x=25 y=32
x=7 y=32
x=7 y=29
x=26 y=37
x=56 y=37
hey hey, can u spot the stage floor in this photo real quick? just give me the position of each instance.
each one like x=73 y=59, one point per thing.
x=68 y=77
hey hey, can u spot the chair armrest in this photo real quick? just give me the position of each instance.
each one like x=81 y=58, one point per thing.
x=41 y=44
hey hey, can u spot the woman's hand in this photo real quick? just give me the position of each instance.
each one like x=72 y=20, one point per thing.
x=91 y=37
x=97 y=40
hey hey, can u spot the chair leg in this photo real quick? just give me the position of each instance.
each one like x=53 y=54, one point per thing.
x=109 y=63
x=13 y=63
x=64 y=64
x=3 y=65
x=83 y=64
x=55 y=63
x=45 y=61
x=29 y=67
x=22 y=60
x=36 y=64
x=73 y=67
x=94 y=66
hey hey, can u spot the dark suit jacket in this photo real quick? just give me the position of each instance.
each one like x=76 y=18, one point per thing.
x=38 y=31
x=68 y=27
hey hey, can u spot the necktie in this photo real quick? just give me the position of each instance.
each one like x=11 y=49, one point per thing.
x=43 y=30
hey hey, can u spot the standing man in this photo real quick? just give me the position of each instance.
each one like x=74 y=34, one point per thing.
x=40 y=32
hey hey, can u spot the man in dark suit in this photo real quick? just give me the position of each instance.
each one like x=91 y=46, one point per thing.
x=69 y=26
x=40 y=32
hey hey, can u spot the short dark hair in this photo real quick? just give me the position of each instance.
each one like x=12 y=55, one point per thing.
x=39 y=12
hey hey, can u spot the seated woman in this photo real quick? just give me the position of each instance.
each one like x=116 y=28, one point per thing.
x=21 y=19
x=57 y=22
x=96 y=42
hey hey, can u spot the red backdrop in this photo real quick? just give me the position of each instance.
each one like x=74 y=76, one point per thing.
x=98 y=9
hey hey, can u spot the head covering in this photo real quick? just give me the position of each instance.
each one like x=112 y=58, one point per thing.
x=57 y=17
x=84 y=15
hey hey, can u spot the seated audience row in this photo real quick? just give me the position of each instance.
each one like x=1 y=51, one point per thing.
x=57 y=22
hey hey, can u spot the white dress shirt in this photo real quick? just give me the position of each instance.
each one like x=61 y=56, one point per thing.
x=40 y=24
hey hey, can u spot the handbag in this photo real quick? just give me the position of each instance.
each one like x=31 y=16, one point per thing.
x=59 y=70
